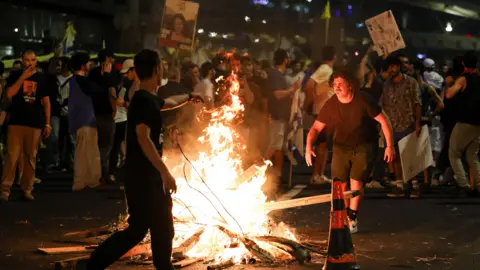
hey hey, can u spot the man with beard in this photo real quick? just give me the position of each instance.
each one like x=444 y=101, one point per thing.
x=148 y=182
x=352 y=115
x=402 y=103
x=29 y=117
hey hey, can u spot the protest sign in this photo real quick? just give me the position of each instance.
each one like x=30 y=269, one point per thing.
x=179 y=24
x=415 y=153
x=385 y=34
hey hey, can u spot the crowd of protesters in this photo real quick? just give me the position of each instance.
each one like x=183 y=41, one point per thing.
x=60 y=110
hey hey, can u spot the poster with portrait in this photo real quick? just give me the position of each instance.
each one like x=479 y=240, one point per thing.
x=385 y=34
x=179 y=24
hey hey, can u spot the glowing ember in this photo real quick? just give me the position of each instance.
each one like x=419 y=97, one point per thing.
x=212 y=192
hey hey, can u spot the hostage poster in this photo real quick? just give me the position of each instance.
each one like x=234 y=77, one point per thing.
x=178 y=24
x=385 y=33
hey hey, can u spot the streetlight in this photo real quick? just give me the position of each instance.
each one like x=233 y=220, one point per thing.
x=257 y=40
x=247 y=19
x=15 y=30
x=264 y=21
x=449 y=27
x=201 y=31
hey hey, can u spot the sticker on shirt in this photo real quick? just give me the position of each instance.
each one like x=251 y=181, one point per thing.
x=29 y=91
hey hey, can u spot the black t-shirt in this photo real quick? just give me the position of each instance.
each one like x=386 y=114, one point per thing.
x=101 y=101
x=279 y=109
x=469 y=100
x=27 y=108
x=352 y=122
x=144 y=109
x=52 y=88
x=168 y=90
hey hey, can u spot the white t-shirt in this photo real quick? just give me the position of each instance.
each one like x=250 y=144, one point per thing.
x=121 y=114
x=164 y=81
x=433 y=78
x=291 y=79
x=205 y=89
x=323 y=91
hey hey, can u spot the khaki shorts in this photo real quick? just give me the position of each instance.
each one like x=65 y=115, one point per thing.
x=277 y=130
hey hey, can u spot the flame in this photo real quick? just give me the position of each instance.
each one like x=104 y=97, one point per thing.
x=210 y=191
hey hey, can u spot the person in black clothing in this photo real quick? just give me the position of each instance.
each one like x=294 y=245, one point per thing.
x=105 y=107
x=465 y=138
x=29 y=120
x=148 y=182
x=350 y=114
x=448 y=118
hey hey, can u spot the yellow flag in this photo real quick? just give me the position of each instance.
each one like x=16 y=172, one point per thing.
x=326 y=12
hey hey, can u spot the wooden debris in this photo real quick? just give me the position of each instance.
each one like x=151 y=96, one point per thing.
x=325 y=198
x=179 y=252
x=72 y=263
x=221 y=265
x=67 y=250
x=291 y=243
x=88 y=233
x=260 y=253
x=140 y=249
x=86 y=241
x=247 y=174
x=296 y=250
x=187 y=262
x=257 y=251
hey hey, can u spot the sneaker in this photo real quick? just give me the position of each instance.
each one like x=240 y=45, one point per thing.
x=28 y=196
x=353 y=224
x=396 y=192
x=415 y=194
x=4 y=196
x=319 y=180
x=374 y=184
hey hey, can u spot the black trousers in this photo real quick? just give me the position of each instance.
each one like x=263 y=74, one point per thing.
x=120 y=133
x=149 y=208
x=106 y=133
x=66 y=144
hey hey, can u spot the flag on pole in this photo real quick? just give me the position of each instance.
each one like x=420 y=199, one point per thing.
x=327 y=15
x=69 y=37
x=326 y=12
x=104 y=46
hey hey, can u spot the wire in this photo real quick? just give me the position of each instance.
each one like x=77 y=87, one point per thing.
x=186 y=207
x=213 y=193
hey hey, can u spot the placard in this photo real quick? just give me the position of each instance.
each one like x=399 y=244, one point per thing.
x=385 y=34
x=415 y=153
x=179 y=24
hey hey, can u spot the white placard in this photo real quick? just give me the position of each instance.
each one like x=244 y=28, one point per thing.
x=385 y=34
x=415 y=153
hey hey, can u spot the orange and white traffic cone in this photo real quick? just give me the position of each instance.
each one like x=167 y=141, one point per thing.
x=341 y=253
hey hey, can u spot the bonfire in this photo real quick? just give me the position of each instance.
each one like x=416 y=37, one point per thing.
x=220 y=211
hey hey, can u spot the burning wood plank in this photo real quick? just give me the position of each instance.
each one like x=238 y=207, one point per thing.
x=300 y=252
x=222 y=265
x=187 y=262
x=325 y=198
x=251 y=246
x=247 y=174
x=67 y=250
x=179 y=252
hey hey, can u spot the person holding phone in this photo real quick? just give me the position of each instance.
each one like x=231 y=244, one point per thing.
x=29 y=119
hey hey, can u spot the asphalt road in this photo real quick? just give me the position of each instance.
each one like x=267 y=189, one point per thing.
x=434 y=232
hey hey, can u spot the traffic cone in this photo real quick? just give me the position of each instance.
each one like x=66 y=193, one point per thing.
x=341 y=253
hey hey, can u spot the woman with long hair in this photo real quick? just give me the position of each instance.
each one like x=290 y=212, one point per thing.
x=177 y=29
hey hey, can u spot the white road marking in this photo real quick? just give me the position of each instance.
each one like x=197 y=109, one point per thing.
x=292 y=193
